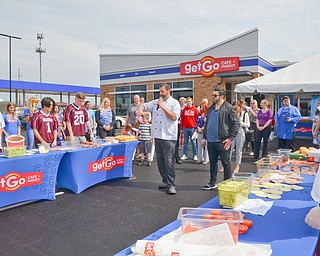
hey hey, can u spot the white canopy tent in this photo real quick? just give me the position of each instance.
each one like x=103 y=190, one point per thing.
x=303 y=76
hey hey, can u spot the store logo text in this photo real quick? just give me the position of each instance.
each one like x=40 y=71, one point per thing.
x=13 y=181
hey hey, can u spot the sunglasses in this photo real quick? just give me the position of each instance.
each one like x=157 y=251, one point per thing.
x=215 y=95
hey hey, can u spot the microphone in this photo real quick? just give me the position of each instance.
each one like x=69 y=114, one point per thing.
x=158 y=105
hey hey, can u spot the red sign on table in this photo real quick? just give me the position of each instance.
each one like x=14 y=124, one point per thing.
x=208 y=65
x=13 y=180
x=107 y=163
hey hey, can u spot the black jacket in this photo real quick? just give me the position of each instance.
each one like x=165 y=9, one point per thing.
x=228 y=122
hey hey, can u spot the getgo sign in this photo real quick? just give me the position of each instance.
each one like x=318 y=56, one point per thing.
x=107 y=163
x=208 y=65
x=13 y=181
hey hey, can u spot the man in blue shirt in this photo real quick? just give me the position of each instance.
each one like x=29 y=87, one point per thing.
x=287 y=118
x=220 y=130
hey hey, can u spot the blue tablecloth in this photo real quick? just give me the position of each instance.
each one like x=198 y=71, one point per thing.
x=28 y=177
x=283 y=226
x=83 y=168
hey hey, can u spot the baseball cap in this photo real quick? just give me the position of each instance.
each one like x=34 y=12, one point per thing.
x=286 y=98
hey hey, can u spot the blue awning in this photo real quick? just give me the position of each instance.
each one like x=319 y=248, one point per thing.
x=35 y=86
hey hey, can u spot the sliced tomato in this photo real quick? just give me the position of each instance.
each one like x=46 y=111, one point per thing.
x=248 y=223
x=243 y=229
x=216 y=212
x=208 y=216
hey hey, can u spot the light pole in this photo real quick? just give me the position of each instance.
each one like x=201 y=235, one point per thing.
x=10 y=37
x=40 y=50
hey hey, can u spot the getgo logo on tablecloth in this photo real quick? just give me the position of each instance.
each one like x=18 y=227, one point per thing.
x=107 y=163
x=13 y=180
x=148 y=249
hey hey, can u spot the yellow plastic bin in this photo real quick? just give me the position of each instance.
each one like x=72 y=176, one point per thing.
x=234 y=191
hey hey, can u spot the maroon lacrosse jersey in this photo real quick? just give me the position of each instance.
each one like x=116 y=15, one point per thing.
x=77 y=116
x=45 y=124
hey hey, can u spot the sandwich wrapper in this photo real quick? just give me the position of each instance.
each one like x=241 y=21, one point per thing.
x=215 y=241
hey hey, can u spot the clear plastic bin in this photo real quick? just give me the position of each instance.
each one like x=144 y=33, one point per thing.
x=277 y=157
x=194 y=219
x=286 y=154
x=265 y=164
x=234 y=191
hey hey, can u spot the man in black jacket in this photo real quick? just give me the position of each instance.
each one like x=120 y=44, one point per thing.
x=220 y=130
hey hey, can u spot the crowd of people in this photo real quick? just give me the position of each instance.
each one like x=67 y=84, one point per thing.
x=215 y=132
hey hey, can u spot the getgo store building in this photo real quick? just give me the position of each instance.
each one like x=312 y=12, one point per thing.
x=225 y=65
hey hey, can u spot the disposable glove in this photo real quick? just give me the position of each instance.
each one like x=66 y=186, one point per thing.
x=313 y=218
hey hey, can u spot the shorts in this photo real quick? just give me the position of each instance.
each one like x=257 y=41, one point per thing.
x=145 y=146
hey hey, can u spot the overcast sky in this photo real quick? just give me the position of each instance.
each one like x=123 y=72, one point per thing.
x=77 y=31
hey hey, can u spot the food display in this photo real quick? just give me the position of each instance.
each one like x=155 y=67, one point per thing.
x=14 y=152
x=194 y=219
x=93 y=144
x=125 y=138
x=233 y=192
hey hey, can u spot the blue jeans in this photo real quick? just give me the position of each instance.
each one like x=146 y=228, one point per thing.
x=215 y=149
x=187 y=133
x=30 y=138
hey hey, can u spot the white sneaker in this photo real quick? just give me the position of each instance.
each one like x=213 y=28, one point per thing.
x=195 y=158
x=184 y=157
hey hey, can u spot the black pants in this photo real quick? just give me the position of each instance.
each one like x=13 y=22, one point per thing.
x=216 y=150
x=289 y=144
x=253 y=126
x=176 y=148
x=265 y=133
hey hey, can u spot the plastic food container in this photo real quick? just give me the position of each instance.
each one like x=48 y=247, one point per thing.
x=194 y=219
x=44 y=148
x=265 y=164
x=234 y=191
x=15 y=141
x=11 y=152
x=314 y=156
x=277 y=157
x=285 y=152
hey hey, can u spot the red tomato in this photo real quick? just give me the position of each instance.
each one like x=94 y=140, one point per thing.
x=248 y=223
x=208 y=216
x=243 y=229
x=219 y=217
x=216 y=212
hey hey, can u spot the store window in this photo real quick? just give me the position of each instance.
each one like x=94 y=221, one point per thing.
x=229 y=92
x=304 y=105
x=178 y=89
x=124 y=96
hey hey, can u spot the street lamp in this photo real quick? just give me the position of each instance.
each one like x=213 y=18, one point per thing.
x=10 y=37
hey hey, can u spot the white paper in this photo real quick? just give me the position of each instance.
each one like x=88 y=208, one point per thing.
x=218 y=235
x=166 y=248
x=255 y=206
